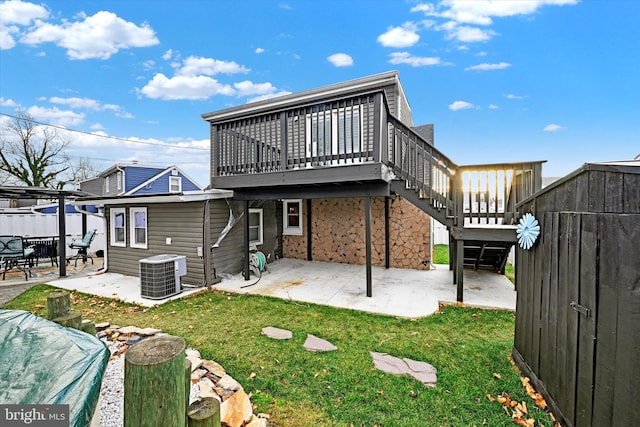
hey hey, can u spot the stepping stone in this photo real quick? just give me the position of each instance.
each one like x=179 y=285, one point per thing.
x=277 y=333
x=422 y=371
x=314 y=343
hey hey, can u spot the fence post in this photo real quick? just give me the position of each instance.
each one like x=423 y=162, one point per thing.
x=154 y=383
x=204 y=413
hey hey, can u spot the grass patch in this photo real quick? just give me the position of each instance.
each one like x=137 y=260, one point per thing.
x=510 y=272
x=441 y=254
x=469 y=347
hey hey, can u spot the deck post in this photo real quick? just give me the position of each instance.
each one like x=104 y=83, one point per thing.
x=460 y=269
x=284 y=149
x=215 y=160
x=206 y=244
x=378 y=124
x=387 y=234
x=309 y=234
x=245 y=224
x=62 y=232
x=367 y=226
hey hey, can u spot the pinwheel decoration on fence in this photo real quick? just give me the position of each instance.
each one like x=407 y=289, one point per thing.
x=527 y=231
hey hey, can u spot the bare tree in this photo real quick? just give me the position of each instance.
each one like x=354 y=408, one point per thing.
x=31 y=154
x=81 y=170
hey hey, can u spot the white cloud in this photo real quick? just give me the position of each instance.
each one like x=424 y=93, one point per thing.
x=488 y=67
x=4 y=102
x=468 y=34
x=341 y=60
x=259 y=50
x=96 y=37
x=196 y=65
x=15 y=13
x=247 y=88
x=414 y=61
x=493 y=107
x=513 y=96
x=56 y=116
x=90 y=104
x=403 y=36
x=480 y=13
x=167 y=55
x=87 y=103
x=184 y=87
x=552 y=128
x=460 y=105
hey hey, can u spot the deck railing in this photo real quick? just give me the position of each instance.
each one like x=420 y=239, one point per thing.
x=488 y=194
x=360 y=129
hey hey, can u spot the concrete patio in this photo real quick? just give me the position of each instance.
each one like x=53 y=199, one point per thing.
x=396 y=292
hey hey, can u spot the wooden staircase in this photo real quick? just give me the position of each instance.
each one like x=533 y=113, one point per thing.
x=477 y=203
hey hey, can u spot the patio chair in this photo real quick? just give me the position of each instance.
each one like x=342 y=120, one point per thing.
x=83 y=248
x=14 y=254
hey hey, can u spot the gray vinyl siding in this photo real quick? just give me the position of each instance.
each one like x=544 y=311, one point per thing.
x=116 y=186
x=228 y=257
x=182 y=222
x=398 y=104
x=92 y=186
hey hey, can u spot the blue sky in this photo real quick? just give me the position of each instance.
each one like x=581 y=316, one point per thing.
x=502 y=81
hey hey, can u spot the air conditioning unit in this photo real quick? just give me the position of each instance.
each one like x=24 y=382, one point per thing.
x=160 y=275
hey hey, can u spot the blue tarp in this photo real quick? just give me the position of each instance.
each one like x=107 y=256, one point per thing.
x=42 y=362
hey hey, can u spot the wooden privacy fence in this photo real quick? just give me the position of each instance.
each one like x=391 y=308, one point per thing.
x=578 y=307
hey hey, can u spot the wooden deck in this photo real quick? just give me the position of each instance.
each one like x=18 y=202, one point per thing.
x=351 y=145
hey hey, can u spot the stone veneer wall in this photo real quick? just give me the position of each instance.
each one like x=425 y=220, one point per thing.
x=339 y=233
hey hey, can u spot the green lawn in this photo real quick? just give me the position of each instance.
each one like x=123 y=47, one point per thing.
x=441 y=256
x=469 y=347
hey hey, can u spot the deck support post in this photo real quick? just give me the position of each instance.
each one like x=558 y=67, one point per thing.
x=62 y=232
x=459 y=269
x=367 y=226
x=387 y=234
x=245 y=224
x=309 y=234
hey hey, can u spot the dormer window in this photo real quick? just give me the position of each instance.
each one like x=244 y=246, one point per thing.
x=175 y=184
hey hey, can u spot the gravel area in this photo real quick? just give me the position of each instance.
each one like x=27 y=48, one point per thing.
x=111 y=404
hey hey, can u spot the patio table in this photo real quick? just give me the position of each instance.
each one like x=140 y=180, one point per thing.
x=44 y=247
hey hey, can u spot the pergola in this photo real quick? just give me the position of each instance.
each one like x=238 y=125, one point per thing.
x=17 y=192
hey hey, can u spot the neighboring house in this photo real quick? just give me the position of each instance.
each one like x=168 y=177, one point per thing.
x=123 y=179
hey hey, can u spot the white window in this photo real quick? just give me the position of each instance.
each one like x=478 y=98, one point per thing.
x=138 y=221
x=292 y=216
x=175 y=184
x=118 y=227
x=106 y=184
x=255 y=227
x=334 y=132
x=119 y=180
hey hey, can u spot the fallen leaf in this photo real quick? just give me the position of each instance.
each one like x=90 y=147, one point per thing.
x=380 y=392
x=491 y=398
x=252 y=375
x=496 y=375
